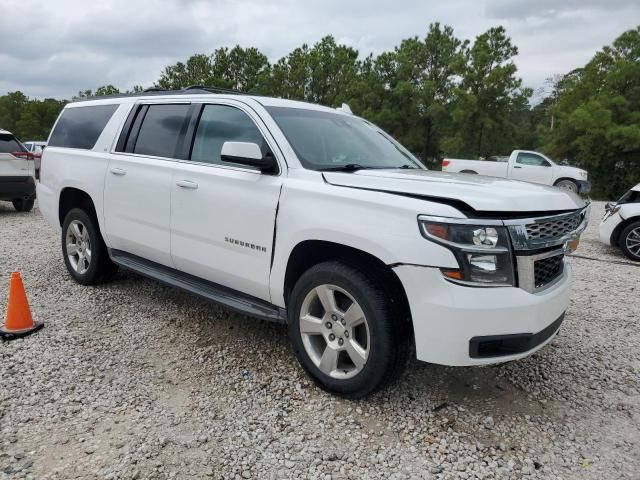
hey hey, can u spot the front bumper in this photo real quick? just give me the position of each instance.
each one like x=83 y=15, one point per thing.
x=607 y=226
x=17 y=187
x=448 y=317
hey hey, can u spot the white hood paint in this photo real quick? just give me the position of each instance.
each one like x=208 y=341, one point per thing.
x=481 y=193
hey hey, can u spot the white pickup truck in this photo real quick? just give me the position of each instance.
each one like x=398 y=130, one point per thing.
x=523 y=165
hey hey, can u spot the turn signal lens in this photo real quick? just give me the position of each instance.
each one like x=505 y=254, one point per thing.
x=455 y=274
x=438 y=230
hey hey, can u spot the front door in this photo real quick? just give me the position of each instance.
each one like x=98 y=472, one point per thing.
x=223 y=214
x=531 y=167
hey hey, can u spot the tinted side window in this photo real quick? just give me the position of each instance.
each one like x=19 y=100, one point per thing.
x=219 y=124
x=9 y=144
x=80 y=127
x=532 y=159
x=161 y=129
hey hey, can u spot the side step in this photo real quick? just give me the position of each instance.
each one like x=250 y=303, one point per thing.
x=232 y=299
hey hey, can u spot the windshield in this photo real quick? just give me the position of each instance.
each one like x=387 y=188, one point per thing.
x=325 y=140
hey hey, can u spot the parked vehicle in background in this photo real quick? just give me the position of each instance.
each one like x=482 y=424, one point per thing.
x=620 y=226
x=524 y=165
x=36 y=147
x=17 y=173
x=301 y=214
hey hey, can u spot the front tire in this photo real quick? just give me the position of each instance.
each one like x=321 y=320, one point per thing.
x=85 y=253
x=630 y=241
x=344 y=331
x=23 y=204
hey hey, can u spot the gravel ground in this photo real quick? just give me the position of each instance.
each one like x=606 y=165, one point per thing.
x=137 y=380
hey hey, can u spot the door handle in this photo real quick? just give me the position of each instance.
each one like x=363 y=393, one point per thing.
x=118 y=171
x=516 y=166
x=187 y=184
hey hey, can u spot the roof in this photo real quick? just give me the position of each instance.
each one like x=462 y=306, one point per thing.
x=5 y=131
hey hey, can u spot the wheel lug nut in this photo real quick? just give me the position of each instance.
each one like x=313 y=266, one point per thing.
x=340 y=341
x=334 y=317
x=328 y=325
x=332 y=337
x=346 y=334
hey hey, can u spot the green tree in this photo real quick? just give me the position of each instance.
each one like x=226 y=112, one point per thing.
x=198 y=70
x=11 y=107
x=408 y=91
x=325 y=73
x=598 y=117
x=486 y=98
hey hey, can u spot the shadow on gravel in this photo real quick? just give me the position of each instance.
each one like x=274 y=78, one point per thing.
x=205 y=326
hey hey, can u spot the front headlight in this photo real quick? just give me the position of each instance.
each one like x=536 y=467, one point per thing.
x=483 y=251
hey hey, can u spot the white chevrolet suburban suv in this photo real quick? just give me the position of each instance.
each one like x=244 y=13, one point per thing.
x=301 y=214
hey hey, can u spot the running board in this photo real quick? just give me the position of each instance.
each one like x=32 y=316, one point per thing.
x=227 y=297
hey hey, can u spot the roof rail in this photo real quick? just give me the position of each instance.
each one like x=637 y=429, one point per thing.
x=155 y=89
x=151 y=91
x=212 y=89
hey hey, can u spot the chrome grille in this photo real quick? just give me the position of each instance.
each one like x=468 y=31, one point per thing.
x=544 y=232
x=556 y=228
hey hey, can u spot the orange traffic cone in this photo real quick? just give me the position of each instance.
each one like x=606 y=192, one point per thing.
x=18 y=322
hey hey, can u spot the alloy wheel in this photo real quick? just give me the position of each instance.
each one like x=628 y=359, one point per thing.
x=334 y=331
x=78 y=246
x=568 y=185
x=633 y=242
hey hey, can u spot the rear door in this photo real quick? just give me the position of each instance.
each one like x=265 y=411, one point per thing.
x=223 y=214
x=532 y=167
x=137 y=193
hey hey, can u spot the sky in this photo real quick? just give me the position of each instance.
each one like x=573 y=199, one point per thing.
x=56 y=48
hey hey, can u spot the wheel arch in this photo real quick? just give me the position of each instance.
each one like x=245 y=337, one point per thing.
x=558 y=180
x=308 y=253
x=71 y=197
x=615 y=235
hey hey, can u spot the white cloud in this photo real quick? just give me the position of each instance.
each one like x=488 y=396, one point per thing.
x=69 y=45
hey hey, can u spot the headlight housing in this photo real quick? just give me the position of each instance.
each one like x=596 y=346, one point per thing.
x=483 y=251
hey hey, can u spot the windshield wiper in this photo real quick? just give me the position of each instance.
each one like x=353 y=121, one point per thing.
x=349 y=167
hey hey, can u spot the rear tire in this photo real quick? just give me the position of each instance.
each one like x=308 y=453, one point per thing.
x=630 y=241
x=365 y=340
x=83 y=249
x=23 y=204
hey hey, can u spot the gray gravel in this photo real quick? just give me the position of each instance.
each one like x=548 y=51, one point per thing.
x=136 y=380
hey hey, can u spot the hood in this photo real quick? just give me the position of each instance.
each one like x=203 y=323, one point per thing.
x=480 y=193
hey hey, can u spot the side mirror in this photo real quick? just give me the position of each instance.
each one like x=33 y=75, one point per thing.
x=247 y=153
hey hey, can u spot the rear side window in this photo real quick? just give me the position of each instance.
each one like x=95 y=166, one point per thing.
x=9 y=144
x=80 y=127
x=161 y=130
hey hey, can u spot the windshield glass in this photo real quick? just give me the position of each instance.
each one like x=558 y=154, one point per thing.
x=325 y=140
